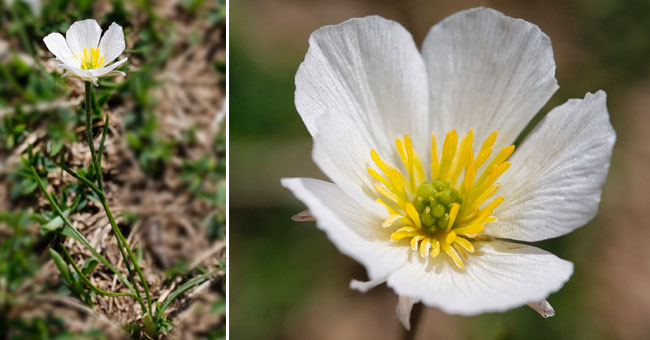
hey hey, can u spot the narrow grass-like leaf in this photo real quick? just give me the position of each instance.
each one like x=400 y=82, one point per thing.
x=87 y=282
x=63 y=267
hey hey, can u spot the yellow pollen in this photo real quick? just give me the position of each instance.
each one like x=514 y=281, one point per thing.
x=450 y=207
x=92 y=59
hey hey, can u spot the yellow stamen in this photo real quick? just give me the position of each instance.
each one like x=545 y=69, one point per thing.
x=490 y=140
x=435 y=247
x=435 y=165
x=394 y=220
x=407 y=229
x=470 y=174
x=419 y=169
x=453 y=254
x=450 y=237
x=498 y=159
x=439 y=215
x=482 y=157
x=410 y=162
x=390 y=210
x=452 y=215
x=398 y=235
x=92 y=59
x=387 y=193
x=490 y=220
x=470 y=229
x=414 y=242
x=448 y=153
x=413 y=214
x=404 y=232
x=465 y=244
x=380 y=178
x=459 y=162
x=375 y=158
x=400 y=151
x=487 y=210
x=424 y=246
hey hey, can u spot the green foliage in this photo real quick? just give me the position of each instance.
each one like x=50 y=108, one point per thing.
x=621 y=26
x=264 y=98
x=198 y=173
x=22 y=83
x=16 y=251
x=73 y=280
x=50 y=327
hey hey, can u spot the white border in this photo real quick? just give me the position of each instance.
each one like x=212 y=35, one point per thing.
x=227 y=110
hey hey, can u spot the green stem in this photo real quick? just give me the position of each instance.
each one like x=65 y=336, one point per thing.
x=83 y=180
x=121 y=241
x=89 y=135
x=101 y=142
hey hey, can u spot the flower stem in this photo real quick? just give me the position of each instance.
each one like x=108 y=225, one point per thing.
x=121 y=241
x=134 y=261
x=89 y=135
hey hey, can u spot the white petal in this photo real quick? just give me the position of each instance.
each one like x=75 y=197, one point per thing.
x=369 y=70
x=83 y=34
x=55 y=42
x=303 y=216
x=342 y=151
x=353 y=230
x=555 y=181
x=112 y=43
x=365 y=286
x=404 y=307
x=72 y=71
x=105 y=70
x=94 y=73
x=497 y=277
x=114 y=73
x=488 y=72
x=543 y=308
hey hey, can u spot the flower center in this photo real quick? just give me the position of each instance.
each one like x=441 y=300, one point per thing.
x=92 y=59
x=434 y=202
x=442 y=211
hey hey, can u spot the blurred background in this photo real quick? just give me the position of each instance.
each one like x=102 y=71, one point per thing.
x=288 y=281
x=164 y=167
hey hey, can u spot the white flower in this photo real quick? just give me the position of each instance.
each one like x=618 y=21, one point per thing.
x=82 y=54
x=425 y=194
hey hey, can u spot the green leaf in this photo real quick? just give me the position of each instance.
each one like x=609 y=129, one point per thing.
x=62 y=265
x=89 y=266
x=219 y=307
x=54 y=224
x=150 y=327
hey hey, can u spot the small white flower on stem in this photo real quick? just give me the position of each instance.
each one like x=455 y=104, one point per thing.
x=428 y=191
x=83 y=54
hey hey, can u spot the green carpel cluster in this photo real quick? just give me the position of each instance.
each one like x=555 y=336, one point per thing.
x=433 y=202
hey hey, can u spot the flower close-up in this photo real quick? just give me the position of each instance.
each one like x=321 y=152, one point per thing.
x=84 y=53
x=429 y=191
